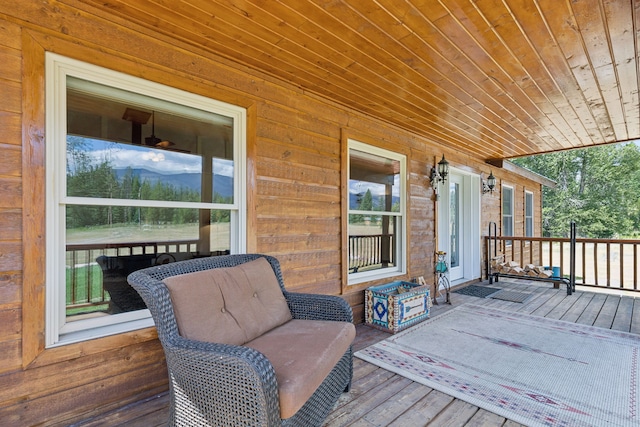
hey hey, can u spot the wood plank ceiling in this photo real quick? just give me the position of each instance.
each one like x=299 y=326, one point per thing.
x=493 y=78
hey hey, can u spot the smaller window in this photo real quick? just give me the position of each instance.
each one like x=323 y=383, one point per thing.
x=376 y=226
x=528 y=214
x=507 y=212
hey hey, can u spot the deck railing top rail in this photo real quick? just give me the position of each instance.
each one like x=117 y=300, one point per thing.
x=567 y=239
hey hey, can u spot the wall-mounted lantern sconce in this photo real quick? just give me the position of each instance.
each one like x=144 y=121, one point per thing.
x=440 y=173
x=489 y=184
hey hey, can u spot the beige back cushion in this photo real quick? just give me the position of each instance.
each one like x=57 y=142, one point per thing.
x=231 y=305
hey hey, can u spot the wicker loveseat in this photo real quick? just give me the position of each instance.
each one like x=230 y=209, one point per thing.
x=243 y=351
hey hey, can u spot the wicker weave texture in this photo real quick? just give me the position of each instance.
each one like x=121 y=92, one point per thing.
x=224 y=385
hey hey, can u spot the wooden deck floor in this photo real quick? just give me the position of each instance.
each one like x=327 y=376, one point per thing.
x=381 y=398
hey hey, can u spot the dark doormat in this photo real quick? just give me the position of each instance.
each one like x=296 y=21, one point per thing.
x=513 y=296
x=477 y=291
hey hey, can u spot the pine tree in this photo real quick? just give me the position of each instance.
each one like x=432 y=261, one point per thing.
x=596 y=187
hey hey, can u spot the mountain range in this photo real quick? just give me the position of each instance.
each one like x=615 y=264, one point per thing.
x=223 y=185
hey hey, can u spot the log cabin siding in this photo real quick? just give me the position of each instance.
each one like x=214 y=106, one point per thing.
x=10 y=198
x=296 y=145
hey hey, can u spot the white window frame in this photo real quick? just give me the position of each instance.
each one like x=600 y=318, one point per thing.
x=58 y=330
x=508 y=215
x=401 y=251
x=528 y=203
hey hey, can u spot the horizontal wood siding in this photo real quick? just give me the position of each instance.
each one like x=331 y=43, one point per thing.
x=295 y=198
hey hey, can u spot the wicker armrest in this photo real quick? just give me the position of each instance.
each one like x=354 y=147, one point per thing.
x=201 y=370
x=318 y=307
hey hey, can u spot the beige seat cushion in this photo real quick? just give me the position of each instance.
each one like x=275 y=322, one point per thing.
x=230 y=305
x=303 y=353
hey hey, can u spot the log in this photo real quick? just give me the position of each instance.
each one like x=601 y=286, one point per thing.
x=518 y=270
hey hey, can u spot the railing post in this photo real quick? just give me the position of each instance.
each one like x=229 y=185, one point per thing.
x=561 y=259
x=595 y=261
x=635 y=267
x=608 y=264
x=540 y=252
x=584 y=263
x=385 y=249
x=492 y=238
x=572 y=257
x=621 y=265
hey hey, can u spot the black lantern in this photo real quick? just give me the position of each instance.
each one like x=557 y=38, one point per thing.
x=440 y=173
x=489 y=184
x=443 y=169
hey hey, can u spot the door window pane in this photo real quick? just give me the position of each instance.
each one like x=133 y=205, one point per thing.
x=454 y=223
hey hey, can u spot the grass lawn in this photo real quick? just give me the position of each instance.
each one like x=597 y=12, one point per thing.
x=82 y=294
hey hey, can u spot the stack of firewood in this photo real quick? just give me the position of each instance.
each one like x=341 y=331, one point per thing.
x=512 y=267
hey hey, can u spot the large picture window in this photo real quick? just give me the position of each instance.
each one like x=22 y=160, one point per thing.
x=138 y=174
x=377 y=180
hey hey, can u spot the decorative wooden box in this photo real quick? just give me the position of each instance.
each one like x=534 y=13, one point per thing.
x=393 y=311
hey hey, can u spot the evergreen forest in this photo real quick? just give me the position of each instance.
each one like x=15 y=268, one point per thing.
x=88 y=178
x=598 y=188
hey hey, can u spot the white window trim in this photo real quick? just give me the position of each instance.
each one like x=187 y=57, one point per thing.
x=527 y=193
x=512 y=213
x=401 y=249
x=58 y=331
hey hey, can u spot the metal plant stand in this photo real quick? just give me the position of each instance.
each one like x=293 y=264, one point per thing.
x=442 y=279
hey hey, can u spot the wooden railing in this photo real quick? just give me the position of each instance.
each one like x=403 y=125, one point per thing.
x=604 y=263
x=370 y=251
x=84 y=276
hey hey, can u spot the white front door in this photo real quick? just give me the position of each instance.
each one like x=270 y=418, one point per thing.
x=459 y=225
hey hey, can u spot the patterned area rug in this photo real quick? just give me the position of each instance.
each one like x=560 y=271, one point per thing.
x=532 y=370
x=477 y=291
